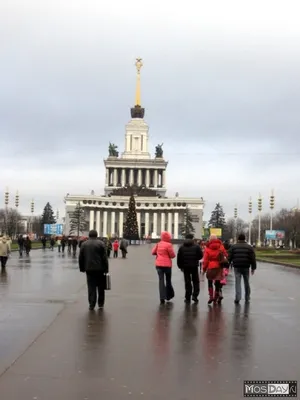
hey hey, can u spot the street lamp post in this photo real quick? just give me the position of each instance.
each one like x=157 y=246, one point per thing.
x=259 y=206
x=17 y=201
x=235 y=223
x=6 y=202
x=272 y=205
x=57 y=216
x=32 y=211
x=250 y=218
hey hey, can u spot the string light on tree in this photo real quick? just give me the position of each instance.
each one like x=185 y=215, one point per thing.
x=250 y=218
x=259 y=207
x=131 y=231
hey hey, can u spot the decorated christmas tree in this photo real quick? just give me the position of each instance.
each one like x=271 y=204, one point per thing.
x=131 y=231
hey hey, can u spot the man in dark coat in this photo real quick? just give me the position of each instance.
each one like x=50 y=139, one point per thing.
x=93 y=260
x=188 y=257
x=242 y=256
x=21 y=244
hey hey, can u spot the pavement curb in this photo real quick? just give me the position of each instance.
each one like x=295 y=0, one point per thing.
x=278 y=263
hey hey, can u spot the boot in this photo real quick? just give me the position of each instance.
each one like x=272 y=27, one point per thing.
x=220 y=298
x=211 y=295
x=216 y=297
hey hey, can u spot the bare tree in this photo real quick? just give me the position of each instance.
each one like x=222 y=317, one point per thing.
x=234 y=227
x=10 y=222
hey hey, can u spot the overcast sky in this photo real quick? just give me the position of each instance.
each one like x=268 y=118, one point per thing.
x=220 y=85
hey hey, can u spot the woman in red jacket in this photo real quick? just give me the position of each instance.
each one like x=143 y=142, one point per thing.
x=164 y=253
x=214 y=254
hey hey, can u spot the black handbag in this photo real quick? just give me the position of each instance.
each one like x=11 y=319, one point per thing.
x=107 y=282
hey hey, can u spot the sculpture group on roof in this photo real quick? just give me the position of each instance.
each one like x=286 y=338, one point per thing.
x=112 y=150
x=159 y=151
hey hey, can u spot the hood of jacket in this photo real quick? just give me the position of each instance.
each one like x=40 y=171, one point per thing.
x=214 y=244
x=189 y=242
x=166 y=236
x=3 y=239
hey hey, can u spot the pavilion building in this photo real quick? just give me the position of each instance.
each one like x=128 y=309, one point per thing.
x=136 y=172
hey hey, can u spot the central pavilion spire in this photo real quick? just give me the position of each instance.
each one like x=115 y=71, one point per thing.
x=137 y=111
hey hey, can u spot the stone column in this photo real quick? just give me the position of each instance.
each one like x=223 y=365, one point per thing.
x=131 y=177
x=112 y=222
x=139 y=177
x=123 y=177
x=155 y=223
x=170 y=222
x=92 y=218
x=155 y=178
x=138 y=217
x=98 y=222
x=115 y=176
x=163 y=222
x=164 y=178
x=147 y=177
x=105 y=224
x=121 y=221
x=176 y=225
x=106 y=177
x=146 y=224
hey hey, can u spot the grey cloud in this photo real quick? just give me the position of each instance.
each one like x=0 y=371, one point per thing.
x=228 y=102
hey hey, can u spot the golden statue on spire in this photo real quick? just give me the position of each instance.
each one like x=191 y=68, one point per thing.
x=138 y=64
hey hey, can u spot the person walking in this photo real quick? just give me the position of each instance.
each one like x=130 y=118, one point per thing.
x=214 y=254
x=116 y=248
x=108 y=247
x=27 y=245
x=52 y=243
x=74 y=245
x=44 y=242
x=21 y=245
x=69 y=244
x=188 y=258
x=63 y=243
x=123 y=247
x=94 y=262
x=242 y=256
x=58 y=241
x=5 y=250
x=164 y=253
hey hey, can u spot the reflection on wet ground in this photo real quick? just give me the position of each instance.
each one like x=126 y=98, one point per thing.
x=135 y=347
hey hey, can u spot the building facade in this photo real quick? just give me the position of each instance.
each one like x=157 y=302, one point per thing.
x=136 y=172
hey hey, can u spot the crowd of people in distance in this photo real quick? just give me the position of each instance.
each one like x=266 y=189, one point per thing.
x=214 y=256
x=72 y=243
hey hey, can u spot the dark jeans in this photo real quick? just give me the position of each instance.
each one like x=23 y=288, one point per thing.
x=96 y=286
x=21 y=249
x=166 y=290
x=239 y=273
x=3 y=260
x=191 y=274
x=108 y=253
x=115 y=253
x=59 y=247
x=63 y=248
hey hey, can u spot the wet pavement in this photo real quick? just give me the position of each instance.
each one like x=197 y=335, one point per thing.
x=52 y=347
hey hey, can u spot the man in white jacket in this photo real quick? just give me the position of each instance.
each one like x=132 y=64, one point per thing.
x=4 y=251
